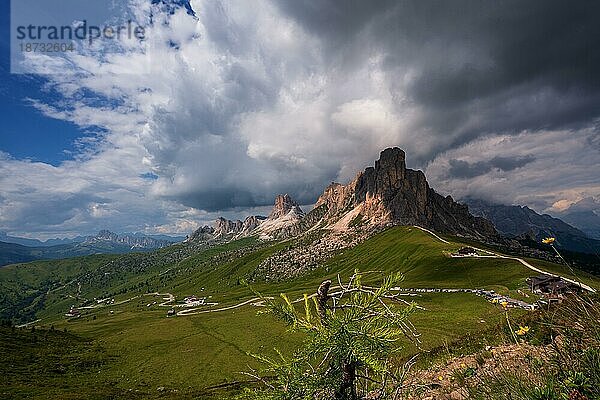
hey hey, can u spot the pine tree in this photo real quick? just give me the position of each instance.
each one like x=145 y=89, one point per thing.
x=351 y=333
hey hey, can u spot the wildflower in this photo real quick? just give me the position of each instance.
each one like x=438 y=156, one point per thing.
x=441 y=378
x=523 y=330
x=504 y=303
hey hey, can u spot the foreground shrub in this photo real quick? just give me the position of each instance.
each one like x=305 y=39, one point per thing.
x=351 y=335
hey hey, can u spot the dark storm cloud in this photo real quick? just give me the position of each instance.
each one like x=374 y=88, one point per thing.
x=336 y=20
x=231 y=198
x=464 y=169
x=217 y=199
x=479 y=67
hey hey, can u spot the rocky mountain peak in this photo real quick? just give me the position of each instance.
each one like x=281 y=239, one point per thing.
x=392 y=163
x=390 y=193
x=283 y=219
x=385 y=194
x=252 y=222
x=204 y=233
x=224 y=226
x=283 y=205
x=388 y=175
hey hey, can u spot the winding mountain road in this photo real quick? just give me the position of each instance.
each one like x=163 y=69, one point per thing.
x=257 y=301
x=520 y=260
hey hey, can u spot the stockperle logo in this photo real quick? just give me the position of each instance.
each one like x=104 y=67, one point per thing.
x=46 y=33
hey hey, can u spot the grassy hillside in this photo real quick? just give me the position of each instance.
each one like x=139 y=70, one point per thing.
x=46 y=289
x=192 y=353
x=11 y=253
x=50 y=364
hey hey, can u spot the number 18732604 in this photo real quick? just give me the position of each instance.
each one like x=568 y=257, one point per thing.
x=36 y=47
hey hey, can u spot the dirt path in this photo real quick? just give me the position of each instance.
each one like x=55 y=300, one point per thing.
x=28 y=323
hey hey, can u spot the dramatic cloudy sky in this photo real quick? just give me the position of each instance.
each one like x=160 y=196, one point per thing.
x=215 y=113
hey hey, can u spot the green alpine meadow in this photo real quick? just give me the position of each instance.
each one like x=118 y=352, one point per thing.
x=299 y=200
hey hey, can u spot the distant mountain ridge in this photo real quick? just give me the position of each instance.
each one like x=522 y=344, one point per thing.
x=4 y=237
x=523 y=222
x=105 y=242
x=587 y=221
x=134 y=239
x=143 y=242
x=13 y=253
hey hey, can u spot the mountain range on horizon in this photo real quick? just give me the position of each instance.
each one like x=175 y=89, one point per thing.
x=19 y=250
x=587 y=221
x=521 y=222
x=127 y=237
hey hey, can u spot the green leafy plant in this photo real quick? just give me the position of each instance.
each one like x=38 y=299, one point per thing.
x=351 y=332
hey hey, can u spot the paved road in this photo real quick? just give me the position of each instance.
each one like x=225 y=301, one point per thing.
x=193 y=311
x=491 y=254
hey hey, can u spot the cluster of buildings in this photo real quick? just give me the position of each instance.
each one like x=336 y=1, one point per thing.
x=553 y=288
x=189 y=301
x=465 y=252
x=73 y=313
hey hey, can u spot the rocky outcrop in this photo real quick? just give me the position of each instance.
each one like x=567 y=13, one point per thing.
x=306 y=255
x=202 y=234
x=390 y=193
x=251 y=223
x=284 y=205
x=284 y=220
x=227 y=228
